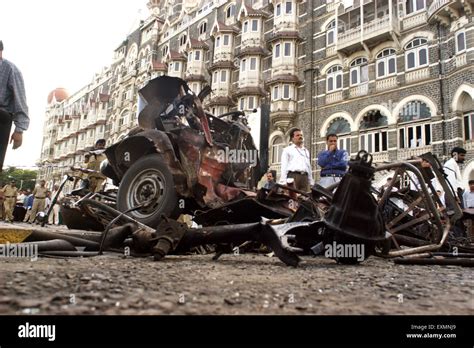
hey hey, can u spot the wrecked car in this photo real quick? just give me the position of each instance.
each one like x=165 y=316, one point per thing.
x=180 y=158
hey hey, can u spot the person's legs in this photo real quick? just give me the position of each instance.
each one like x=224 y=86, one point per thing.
x=34 y=210
x=5 y=128
x=9 y=206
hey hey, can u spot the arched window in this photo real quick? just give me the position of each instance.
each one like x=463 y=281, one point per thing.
x=371 y=138
x=164 y=51
x=359 y=71
x=278 y=145
x=230 y=12
x=416 y=55
x=342 y=129
x=182 y=40
x=413 y=133
x=330 y=33
x=460 y=42
x=202 y=28
x=386 y=63
x=334 y=78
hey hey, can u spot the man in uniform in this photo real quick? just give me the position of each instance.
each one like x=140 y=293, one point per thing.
x=96 y=178
x=11 y=192
x=39 y=195
x=54 y=215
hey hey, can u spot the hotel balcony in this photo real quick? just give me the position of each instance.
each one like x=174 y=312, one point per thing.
x=379 y=23
x=446 y=11
x=404 y=154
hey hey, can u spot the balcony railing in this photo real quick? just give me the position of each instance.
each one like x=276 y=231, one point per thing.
x=358 y=91
x=461 y=59
x=417 y=75
x=387 y=83
x=436 y=5
x=414 y=20
x=403 y=154
x=371 y=29
x=378 y=157
x=333 y=97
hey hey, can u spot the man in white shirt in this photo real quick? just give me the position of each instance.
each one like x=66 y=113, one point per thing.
x=296 y=164
x=451 y=169
x=54 y=215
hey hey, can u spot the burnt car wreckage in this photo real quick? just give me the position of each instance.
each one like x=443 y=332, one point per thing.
x=172 y=164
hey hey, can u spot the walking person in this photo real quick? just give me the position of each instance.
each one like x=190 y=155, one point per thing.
x=296 y=164
x=39 y=201
x=13 y=106
x=333 y=162
x=11 y=192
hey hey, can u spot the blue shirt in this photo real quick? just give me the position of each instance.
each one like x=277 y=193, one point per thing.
x=12 y=94
x=334 y=162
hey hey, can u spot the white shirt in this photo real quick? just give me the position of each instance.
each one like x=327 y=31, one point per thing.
x=295 y=159
x=468 y=198
x=451 y=169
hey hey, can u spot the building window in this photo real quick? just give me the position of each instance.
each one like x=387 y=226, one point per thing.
x=223 y=76
x=275 y=93
x=246 y=26
x=202 y=28
x=415 y=5
x=277 y=10
x=190 y=56
x=359 y=71
x=182 y=40
x=288 y=7
x=277 y=149
x=197 y=55
x=214 y=77
x=334 y=78
x=287 y=49
x=342 y=129
x=460 y=42
x=373 y=140
x=254 y=24
x=416 y=54
x=414 y=135
x=218 y=41
x=176 y=66
x=242 y=103
x=469 y=125
x=243 y=64
x=226 y=40
x=286 y=91
x=230 y=12
x=386 y=63
x=253 y=63
x=277 y=51
x=251 y=103
x=164 y=51
x=330 y=33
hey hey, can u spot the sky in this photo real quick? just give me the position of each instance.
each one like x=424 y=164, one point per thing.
x=60 y=43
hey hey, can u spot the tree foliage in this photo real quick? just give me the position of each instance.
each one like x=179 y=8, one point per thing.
x=27 y=176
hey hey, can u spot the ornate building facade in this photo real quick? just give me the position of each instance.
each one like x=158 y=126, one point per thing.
x=394 y=77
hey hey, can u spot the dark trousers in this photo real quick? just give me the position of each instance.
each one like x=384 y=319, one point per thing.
x=301 y=181
x=5 y=128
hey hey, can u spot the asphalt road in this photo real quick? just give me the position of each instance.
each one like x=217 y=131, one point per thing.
x=235 y=284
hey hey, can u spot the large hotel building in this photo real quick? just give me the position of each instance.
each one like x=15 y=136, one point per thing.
x=393 y=77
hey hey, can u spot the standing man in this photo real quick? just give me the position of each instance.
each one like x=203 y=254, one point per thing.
x=39 y=200
x=11 y=192
x=295 y=163
x=333 y=162
x=468 y=196
x=54 y=215
x=96 y=178
x=271 y=174
x=451 y=169
x=13 y=107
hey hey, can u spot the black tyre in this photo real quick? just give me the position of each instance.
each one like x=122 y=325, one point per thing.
x=148 y=180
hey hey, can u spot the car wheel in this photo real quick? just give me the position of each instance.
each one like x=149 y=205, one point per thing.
x=148 y=181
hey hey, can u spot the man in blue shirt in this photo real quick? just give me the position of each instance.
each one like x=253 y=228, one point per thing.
x=333 y=162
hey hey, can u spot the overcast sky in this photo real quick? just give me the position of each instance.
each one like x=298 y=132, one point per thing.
x=60 y=43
